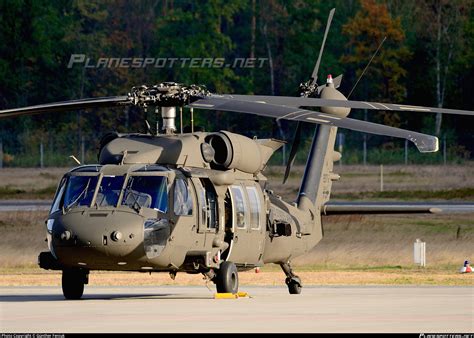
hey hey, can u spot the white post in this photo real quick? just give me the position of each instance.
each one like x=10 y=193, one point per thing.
x=381 y=177
x=419 y=252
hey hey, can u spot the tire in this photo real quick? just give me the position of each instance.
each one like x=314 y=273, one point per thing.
x=227 y=280
x=294 y=287
x=73 y=284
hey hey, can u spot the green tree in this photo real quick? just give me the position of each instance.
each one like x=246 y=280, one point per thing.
x=442 y=23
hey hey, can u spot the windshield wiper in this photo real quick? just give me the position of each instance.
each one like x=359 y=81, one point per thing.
x=135 y=205
x=73 y=203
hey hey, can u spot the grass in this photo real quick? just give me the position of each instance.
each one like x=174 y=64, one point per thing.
x=407 y=195
x=10 y=192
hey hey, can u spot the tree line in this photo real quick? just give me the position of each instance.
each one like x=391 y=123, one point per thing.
x=425 y=59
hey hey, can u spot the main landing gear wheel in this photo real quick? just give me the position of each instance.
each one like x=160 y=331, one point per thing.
x=292 y=281
x=73 y=283
x=227 y=278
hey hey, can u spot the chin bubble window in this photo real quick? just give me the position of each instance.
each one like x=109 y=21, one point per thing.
x=183 y=201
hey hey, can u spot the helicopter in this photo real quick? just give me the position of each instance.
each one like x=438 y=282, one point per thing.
x=196 y=202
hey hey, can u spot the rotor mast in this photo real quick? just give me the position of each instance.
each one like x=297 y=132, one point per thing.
x=168 y=114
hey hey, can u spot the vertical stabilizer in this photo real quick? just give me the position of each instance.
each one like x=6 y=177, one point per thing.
x=317 y=180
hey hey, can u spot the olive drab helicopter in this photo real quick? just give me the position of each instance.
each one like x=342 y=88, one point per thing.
x=196 y=202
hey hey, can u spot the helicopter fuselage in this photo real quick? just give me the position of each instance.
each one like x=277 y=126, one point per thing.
x=168 y=217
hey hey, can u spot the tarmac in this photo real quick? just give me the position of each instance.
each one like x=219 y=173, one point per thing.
x=413 y=309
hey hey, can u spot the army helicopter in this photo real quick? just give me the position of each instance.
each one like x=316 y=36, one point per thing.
x=196 y=202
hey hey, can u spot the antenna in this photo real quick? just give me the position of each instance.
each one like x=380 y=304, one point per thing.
x=75 y=159
x=363 y=72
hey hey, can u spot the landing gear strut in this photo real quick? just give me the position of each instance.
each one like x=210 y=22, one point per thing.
x=292 y=281
x=227 y=278
x=73 y=283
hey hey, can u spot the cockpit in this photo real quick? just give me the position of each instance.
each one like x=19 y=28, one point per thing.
x=89 y=186
x=160 y=197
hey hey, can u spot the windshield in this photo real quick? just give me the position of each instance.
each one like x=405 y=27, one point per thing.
x=79 y=191
x=109 y=191
x=146 y=192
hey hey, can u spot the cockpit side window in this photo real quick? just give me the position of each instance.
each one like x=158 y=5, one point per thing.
x=58 y=197
x=183 y=201
x=147 y=192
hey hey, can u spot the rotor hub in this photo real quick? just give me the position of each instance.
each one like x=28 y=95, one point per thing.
x=166 y=94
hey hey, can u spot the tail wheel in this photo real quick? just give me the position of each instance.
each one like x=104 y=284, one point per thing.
x=294 y=287
x=227 y=279
x=73 y=283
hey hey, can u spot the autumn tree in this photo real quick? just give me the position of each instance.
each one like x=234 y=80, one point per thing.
x=384 y=79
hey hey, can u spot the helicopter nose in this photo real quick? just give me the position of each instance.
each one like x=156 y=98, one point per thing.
x=89 y=237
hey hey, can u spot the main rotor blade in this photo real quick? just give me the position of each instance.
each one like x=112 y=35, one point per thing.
x=110 y=101
x=297 y=102
x=424 y=143
x=314 y=76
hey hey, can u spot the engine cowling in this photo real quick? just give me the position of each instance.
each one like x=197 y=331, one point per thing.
x=233 y=151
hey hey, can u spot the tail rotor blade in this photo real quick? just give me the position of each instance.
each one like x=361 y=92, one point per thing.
x=294 y=149
x=314 y=79
x=314 y=76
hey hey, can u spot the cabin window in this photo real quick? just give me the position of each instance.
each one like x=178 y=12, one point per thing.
x=183 y=201
x=254 y=207
x=109 y=191
x=239 y=205
x=211 y=204
x=202 y=205
x=79 y=191
x=146 y=192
